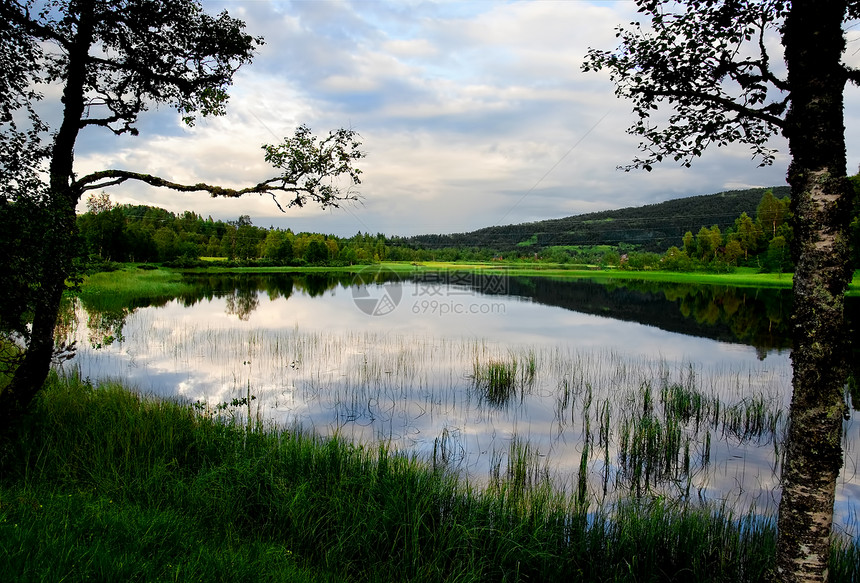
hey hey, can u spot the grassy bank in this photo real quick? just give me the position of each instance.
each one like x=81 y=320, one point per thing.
x=129 y=286
x=102 y=484
x=741 y=277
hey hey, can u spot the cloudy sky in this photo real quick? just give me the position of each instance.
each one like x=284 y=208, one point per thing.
x=472 y=113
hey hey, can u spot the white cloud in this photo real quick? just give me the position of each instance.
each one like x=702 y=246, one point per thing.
x=472 y=113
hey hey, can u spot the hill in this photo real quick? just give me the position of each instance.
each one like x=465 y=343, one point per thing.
x=654 y=227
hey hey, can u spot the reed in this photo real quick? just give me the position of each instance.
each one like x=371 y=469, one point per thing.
x=102 y=483
x=496 y=380
x=130 y=287
x=651 y=426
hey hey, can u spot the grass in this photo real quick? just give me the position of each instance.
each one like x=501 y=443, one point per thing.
x=132 y=283
x=496 y=380
x=83 y=536
x=128 y=287
x=741 y=277
x=103 y=484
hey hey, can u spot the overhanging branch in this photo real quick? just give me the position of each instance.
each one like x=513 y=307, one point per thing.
x=326 y=195
x=92 y=181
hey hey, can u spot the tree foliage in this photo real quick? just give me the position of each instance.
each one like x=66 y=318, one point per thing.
x=708 y=60
x=106 y=63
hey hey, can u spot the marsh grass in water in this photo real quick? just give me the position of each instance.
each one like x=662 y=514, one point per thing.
x=619 y=424
x=103 y=484
x=498 y=380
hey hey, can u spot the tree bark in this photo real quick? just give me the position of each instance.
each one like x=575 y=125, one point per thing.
x=820 y=197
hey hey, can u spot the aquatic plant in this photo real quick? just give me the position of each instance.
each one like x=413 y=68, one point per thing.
x=496 y=380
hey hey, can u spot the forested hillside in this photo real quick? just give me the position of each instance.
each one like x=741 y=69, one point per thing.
x=714 y=232
x=654 y=227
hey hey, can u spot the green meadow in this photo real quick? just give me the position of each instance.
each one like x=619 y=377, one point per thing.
x=123 y=287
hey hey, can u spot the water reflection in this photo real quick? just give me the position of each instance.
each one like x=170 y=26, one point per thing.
x=751 y=316
x=620 y=388
x=757 y=317
x=754 y=317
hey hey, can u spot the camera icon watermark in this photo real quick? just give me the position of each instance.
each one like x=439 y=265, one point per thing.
x=378 y=291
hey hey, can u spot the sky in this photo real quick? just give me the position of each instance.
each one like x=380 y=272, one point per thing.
x=472 y=113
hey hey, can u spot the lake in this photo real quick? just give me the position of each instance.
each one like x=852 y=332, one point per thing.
x=606 y=389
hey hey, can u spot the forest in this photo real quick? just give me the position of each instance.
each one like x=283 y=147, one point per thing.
x=713 y=233
x=110 y=232
x=653 y=227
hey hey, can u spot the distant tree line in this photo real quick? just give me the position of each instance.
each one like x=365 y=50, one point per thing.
x=762 y=241
x=760 y=238
x=110 y=232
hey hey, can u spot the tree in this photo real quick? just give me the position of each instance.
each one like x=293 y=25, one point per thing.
x=316 y=252
x=247 y=238
x=103 y=228
x=854 y=227
x=213 y=246
x=689 y=244
x=747 y=234
x=676 y=260
x=707 y=61
x=776 y=258
x=276 y=247
x=705 y=249
x=708 y=242
x=99 y=203
x=772 y=212
x=228 y=243
x=111 y=61
x=733 y=252
x=165 y=242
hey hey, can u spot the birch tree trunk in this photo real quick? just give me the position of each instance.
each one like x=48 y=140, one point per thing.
x=820 y=198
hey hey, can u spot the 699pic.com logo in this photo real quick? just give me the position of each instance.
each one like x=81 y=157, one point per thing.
x=377 y=291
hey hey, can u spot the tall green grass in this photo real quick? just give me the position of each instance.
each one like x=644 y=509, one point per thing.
x=130 y=287
x=498 y=380
x=103 y=484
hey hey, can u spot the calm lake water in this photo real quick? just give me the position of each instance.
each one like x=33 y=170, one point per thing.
x=616 y=388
